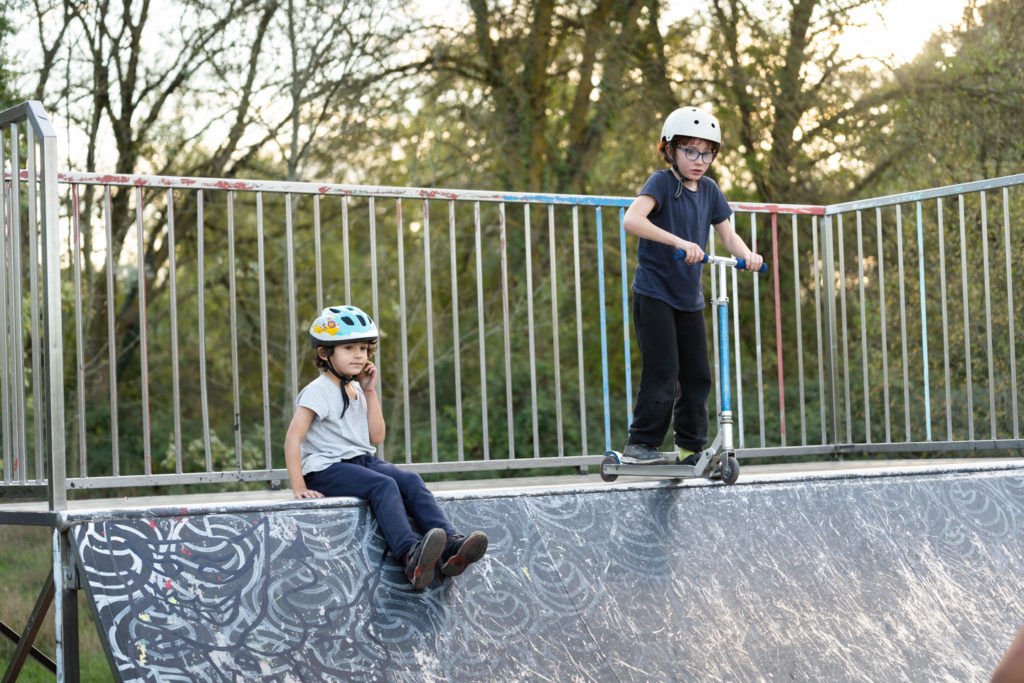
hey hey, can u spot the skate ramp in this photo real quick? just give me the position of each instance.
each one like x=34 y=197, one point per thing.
x=883 y=575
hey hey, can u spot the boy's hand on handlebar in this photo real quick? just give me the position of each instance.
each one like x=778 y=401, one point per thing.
x=754 y=262
x=694 y=254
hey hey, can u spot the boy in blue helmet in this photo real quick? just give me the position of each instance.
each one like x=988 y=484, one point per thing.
x=330 y=451
x=675 y=212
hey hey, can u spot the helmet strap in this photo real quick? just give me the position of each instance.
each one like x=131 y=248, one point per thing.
x=344 y=380
x=671 y=158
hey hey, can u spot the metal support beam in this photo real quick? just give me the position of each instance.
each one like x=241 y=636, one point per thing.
x=25 y=647
x=65 y=608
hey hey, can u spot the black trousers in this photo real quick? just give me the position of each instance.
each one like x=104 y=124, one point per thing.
x=676 y=377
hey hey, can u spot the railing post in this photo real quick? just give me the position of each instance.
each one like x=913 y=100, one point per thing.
x=41 y=179
x=831 y=348
x=52 y=309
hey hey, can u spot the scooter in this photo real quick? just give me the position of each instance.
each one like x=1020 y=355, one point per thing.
x=719 y=459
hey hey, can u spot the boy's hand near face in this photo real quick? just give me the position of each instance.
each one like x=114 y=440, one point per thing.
x=368 y=378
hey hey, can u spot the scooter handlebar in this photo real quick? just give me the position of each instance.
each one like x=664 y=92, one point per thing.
x=740 y=264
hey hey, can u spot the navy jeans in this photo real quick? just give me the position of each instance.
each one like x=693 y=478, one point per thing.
x=394 y=495
x=676 y=377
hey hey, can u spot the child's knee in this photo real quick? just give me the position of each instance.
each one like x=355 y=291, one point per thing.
x=411 y=481
x=383 y=488
x=411 y=485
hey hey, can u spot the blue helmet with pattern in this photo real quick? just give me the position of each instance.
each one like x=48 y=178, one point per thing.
x=342 y=324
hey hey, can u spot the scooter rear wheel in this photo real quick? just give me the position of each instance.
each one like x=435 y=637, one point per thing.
x=730 y=470
x=609 y=459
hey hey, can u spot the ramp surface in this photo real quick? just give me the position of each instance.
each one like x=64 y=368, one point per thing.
x=868 y=578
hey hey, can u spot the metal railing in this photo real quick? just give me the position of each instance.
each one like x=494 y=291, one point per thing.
x=924 y=352
x=505 y=321
x=31 y=369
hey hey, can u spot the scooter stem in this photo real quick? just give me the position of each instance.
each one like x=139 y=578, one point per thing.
x=725 y=386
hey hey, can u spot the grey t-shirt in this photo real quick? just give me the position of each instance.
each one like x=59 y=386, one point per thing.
x=330 y=438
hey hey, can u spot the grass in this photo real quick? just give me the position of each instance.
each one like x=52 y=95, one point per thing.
x=24 y=566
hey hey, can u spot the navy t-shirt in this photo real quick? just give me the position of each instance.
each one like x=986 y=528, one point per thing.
x=658 y=274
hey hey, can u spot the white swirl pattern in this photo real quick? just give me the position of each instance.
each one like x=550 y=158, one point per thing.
x=899 y=578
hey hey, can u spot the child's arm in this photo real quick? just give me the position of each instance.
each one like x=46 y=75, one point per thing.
x=636 y=222
x=293 y=452
x=735 y=245
x=374 y=413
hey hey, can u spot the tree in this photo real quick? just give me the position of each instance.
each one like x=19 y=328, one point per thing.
x=786 y=95
x=960 y=107
x=956 y=117
x=207 y=102
x=540 y=94
x=341 y=63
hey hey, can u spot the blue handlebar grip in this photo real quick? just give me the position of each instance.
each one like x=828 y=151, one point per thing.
x=741 y=264
x=680 y=255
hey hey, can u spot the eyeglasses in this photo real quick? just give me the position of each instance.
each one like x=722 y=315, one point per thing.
x=692 y=154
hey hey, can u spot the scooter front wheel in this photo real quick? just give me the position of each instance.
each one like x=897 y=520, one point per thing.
x=609 y=459
x=730 y=470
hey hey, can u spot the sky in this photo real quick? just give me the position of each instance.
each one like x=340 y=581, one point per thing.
x=900 y=29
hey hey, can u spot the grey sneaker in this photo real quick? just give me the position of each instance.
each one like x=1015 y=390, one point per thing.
x=642 y=454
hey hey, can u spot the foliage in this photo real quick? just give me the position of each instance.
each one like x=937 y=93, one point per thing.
x=8 y=92
x=547 y=96
x=24 y=572
x=786 y=95
x=960 y=105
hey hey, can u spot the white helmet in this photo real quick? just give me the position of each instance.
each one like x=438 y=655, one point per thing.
x=691 y=122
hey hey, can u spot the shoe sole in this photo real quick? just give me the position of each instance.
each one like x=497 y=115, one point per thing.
x=433 y=545
x=473 y=548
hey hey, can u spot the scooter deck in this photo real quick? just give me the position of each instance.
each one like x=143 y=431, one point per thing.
x=708 y=466
x=670 y=470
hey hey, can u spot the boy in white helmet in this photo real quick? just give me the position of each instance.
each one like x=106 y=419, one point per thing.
x=330 y=451
x=675 y=211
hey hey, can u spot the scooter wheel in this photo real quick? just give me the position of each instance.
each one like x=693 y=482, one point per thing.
x=730 y=470
x=609 y=459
